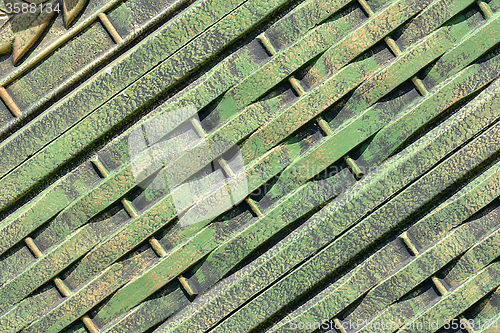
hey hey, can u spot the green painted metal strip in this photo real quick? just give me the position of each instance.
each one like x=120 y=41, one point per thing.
x=347 y=289
x=414 y=118
x=460 y=239
x=467 y=50
x=46 y=267
x=132 y=65
x=21 y=315
x=452 y=304
x=321 y=224
x=353 y=241
x=44 y=206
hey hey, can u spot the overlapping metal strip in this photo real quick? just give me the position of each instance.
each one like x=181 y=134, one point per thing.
x=250 y=166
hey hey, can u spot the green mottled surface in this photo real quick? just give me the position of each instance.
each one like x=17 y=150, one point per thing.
x=250 y=166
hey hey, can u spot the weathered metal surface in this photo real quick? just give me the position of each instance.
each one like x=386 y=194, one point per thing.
x=249 y=166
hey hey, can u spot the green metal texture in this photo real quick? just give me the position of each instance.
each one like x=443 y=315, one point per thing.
x=249 y=166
